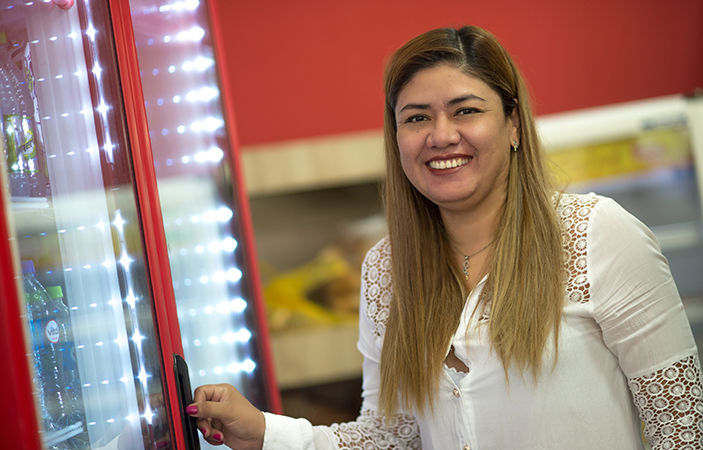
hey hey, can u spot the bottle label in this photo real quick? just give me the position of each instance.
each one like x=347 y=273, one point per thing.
x=52 y=331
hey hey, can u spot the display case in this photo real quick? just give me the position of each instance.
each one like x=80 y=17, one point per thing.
x=113 y=267
x=648 y=156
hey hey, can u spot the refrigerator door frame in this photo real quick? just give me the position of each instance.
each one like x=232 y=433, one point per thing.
x=149 y=205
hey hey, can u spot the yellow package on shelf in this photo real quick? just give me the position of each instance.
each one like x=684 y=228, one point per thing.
x=288 y=295
x=658 y=149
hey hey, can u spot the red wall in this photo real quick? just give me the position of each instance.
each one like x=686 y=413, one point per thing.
x=314 y=67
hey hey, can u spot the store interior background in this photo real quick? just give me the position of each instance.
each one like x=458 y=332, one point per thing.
x=305 y=79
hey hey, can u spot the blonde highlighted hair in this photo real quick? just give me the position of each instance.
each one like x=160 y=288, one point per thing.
x=525 y=283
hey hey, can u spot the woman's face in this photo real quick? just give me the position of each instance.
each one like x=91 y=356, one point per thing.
x=454 y=139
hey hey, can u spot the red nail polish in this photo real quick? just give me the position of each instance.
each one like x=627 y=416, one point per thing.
x=217 y=437
x=192 y=409
x=203 y=431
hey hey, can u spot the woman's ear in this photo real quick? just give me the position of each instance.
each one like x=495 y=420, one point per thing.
x=515 y=119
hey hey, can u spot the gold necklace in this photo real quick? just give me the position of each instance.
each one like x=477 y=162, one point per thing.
x=467 y=264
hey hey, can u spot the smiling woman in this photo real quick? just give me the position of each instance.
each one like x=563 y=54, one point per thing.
x=496 y=308
x=454 y=94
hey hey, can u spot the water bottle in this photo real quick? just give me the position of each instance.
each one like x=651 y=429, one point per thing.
x=69 y=361
x=75 y=412
x=27 y=177
x=34 y=153
x=3 y=140
x=45 y=325
x=9 y=113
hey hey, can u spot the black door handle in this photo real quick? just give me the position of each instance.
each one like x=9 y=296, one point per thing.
x=185 y=398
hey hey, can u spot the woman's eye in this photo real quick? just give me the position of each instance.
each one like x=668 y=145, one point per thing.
x=466 y=111
x=415 y=119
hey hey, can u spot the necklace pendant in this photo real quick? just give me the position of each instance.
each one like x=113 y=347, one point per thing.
x=466 y=259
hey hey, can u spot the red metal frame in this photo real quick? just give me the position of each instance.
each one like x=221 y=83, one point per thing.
x=166 y=317
x=18 y=417
x=244 y=211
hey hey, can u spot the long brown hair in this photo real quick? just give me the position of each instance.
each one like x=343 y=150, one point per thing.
x=526 y=277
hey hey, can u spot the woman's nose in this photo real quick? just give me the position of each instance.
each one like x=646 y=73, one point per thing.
x=443 y=134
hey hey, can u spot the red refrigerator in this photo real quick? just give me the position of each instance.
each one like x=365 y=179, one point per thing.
x=127 y=262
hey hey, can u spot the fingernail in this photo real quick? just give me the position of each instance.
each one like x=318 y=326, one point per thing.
x=192 y=409
x=161 y=445
x=203 y=431
x=217 y=437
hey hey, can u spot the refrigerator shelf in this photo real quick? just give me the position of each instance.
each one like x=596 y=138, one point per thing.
x=58 y=436
x=29 y=203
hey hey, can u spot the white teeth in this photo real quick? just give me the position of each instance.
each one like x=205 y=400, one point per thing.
x=448 y=164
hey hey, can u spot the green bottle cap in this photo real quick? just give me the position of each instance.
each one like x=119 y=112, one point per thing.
x=55 y=291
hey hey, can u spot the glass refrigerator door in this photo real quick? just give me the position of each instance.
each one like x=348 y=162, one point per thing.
x=205 y=217
x=87 y=303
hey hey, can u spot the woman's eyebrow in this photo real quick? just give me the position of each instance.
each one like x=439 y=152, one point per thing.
x=451 y=102
x=464 y=98
x=415 y=106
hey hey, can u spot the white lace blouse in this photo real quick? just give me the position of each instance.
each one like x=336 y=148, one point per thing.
x=626 y=357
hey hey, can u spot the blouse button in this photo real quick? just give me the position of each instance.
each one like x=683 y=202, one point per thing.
x=456 y=394
x=466 y=447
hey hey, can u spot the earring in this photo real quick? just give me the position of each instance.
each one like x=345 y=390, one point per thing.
x=515 y=146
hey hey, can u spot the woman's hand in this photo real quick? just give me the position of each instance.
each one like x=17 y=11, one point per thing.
x=226 y=417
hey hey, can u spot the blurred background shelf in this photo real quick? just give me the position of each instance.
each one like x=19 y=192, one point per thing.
x=316 y=355
x=313 y=163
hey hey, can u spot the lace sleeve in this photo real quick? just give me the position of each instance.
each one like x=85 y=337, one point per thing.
x=371 y=431
x=670 y=402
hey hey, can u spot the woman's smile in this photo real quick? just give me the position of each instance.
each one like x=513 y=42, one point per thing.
x=444 y=164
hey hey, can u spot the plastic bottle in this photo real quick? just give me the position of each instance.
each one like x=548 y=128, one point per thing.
x=5 y=108
x=69 y=362
x=20 y=129
x=75 y=411
x=3 y=140
x=45 y=324
x=34 y=152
